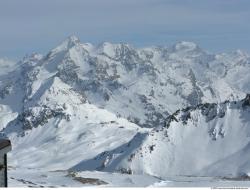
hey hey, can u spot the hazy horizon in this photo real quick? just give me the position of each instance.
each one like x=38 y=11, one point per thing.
x=37 y=26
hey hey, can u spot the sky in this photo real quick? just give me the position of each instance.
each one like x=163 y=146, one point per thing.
x=28 y=26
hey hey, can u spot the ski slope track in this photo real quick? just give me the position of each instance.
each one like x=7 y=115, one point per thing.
x=123 y=115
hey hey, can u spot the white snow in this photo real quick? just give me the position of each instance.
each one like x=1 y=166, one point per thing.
x=101 y=111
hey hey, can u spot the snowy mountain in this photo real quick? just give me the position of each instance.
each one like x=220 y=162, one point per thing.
x=159 y=111
x=208 y=139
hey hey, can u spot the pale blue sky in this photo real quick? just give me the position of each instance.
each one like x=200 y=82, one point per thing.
x=28 y=26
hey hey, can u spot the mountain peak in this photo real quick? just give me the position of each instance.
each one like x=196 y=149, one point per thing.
x=185 y=45
x=67 y=44
x=73 y=39
x=241 y=53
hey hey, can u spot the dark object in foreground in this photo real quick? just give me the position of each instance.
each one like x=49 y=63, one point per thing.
x=5 y=146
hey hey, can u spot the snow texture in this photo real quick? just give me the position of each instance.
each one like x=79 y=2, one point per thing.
x=116 y=115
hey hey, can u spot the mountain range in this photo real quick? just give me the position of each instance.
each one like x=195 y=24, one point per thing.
x=157 y=111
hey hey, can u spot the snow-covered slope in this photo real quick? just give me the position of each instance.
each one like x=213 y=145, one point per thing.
x=112 y=108
x=206 y=140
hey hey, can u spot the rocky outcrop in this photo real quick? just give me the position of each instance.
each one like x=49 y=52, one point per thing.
x=39 y=116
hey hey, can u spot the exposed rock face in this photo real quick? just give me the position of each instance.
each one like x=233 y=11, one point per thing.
x=31 y=118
